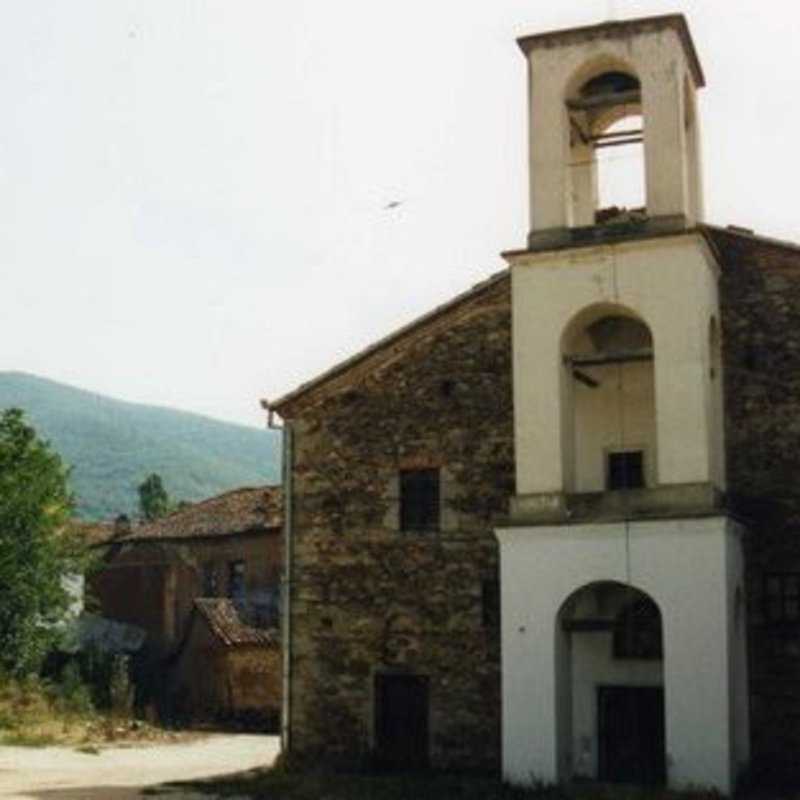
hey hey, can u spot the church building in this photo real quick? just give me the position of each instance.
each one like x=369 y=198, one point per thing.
x=552 y=527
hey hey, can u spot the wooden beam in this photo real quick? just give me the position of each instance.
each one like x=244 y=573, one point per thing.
x=618 y=142
x=587 y=625
x=602 y=359
x=606 y=100
x=618 y=135
x=586 y=380
x=582 y=135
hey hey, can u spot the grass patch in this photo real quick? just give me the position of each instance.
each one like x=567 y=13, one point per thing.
x=32 y=714
x=36 y=713
x=35 y=739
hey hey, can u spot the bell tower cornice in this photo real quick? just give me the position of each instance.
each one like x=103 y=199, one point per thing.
x=623 y=29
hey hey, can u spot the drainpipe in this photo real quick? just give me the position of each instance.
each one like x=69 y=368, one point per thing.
x=286 y=583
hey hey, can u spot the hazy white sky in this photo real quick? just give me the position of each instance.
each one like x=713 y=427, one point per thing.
x=193 y=192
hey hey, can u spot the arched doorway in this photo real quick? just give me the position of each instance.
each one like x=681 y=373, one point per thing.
x=610 y=686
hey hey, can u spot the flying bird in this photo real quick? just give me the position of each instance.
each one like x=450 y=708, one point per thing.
x=394 y=204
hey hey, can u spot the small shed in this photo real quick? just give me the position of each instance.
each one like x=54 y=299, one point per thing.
x=226 y=671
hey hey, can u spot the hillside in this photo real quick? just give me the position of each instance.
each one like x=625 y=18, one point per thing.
x=113 y=445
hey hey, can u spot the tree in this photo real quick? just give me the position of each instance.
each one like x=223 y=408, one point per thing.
x=153 y=498
x=38 y=550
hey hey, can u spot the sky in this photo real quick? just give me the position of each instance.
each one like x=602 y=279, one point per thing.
x=207 y=202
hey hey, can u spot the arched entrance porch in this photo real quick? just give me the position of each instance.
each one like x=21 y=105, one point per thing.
x=610 y=685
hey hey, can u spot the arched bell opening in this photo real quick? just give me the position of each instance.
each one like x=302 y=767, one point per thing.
x=606 y=145
x=610 y=686
x=608 y=397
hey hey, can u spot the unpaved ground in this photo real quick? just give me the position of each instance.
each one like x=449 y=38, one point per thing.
x=119 y=773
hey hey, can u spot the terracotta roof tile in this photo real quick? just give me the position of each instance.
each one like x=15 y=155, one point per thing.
x=223 y=619
x=237 y=511
x=94 y=533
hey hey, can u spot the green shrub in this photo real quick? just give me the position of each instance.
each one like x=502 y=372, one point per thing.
x=74 y=695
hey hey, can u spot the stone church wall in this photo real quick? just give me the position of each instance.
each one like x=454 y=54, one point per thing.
x=367 y=597
x=760 y=290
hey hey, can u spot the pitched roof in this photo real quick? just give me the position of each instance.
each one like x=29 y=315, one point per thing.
x=94 y=533
x=238 y=511
x=441 y=311
x=719 y=237
x=724 y=237
x=223 y=620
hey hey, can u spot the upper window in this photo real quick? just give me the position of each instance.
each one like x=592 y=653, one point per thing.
x=782 y=597
x=419 y=500
x=210 y=584
x=236 y=572
x=626 y=470
x=637 y=631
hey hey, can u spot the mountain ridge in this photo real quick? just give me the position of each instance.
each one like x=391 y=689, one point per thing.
x=112 y=445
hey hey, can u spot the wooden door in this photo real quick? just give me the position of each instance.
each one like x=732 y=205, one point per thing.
x=401 y=721
x=631 y=734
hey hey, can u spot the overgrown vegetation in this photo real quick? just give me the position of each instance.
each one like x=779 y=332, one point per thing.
x=154 y=501
x=35 y=712
x=38 y=552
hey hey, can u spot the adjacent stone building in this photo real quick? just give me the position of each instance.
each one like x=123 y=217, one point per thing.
x=226 y=670
x=579 y=474
x=152 y=574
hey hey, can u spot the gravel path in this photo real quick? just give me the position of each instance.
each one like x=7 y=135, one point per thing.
x=119 y=773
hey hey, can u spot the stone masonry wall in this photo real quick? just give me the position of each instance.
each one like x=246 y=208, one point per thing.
x=367 y=597
x=760 y=291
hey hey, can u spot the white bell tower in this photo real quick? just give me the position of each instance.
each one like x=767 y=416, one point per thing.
x=583 y=81
x=618 y=515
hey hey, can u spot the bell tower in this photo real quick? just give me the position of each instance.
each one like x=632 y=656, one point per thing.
x=616 y=312
x=619 y=432
x=582 y=82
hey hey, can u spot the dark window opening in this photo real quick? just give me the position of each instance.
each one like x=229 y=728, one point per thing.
x=262 y=608
x=210 y=583
x=419 y=500
x=610 y=83
x=626 y=470
x=637 y=631
x=490 y=603
x=236 y=588
x=782 y=598
x=447 y=388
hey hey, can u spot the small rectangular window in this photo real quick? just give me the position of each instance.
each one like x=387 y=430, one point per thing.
x=210 y=585
x=236 y=589
x=625 y=470
x=419 y=500
x=490 y=600
x=782 y=598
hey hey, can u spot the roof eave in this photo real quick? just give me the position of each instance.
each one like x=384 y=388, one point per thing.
x=282 y=403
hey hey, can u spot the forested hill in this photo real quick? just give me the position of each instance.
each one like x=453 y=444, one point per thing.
x=112 y=446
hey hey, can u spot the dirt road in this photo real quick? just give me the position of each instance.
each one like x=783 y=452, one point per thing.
x=120 y=773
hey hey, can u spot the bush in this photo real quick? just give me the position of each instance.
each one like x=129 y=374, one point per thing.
x=73 y=695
